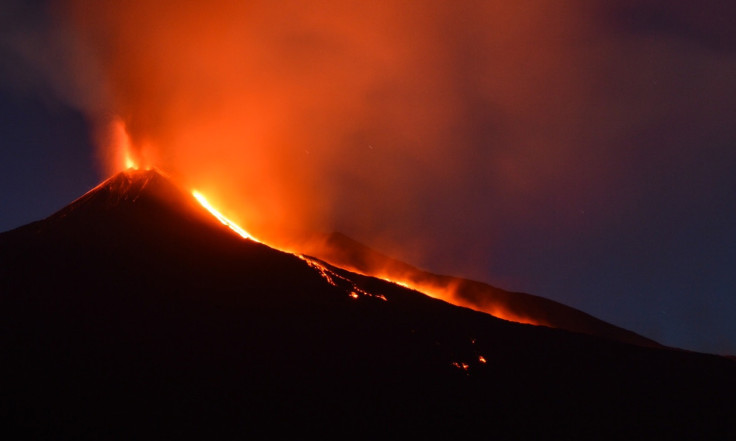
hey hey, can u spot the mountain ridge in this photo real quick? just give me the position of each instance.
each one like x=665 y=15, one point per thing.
x=343 y=251
x=125 y=319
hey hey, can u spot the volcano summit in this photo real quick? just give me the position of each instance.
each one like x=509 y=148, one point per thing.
x=133 y=313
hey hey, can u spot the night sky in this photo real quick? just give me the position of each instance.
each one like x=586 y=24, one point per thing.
x=583 y=152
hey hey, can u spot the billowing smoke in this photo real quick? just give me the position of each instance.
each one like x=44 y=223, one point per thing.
x=395 y=119
x=476 y=137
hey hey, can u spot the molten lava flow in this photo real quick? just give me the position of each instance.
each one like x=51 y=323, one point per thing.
x=332 y=277
x=444 y=292
x=338 y=281
x=342 y=252
x=225 y=221
x=447 y=292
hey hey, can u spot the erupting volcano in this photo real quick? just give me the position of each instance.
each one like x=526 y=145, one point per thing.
x=140 y=311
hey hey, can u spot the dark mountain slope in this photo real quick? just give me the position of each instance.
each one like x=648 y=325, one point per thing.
x=132 y=314
x=345 y=252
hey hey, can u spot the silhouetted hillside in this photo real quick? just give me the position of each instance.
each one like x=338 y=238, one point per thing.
x=345 y=252
x=132 y=314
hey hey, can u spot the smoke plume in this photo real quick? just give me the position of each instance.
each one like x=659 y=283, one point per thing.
x=332 y=114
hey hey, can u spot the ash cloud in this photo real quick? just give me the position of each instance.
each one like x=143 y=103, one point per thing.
x=371 y=118
x=510 y=141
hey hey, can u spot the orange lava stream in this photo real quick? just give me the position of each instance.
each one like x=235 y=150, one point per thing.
x=330 y=276
x=225 y=221
x=447 y=292
x=441 y=292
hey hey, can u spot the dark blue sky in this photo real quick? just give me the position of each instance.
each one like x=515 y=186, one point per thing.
x=46 y=159
x=614 y=193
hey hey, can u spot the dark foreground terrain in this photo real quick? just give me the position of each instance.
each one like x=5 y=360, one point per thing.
x=132 y=314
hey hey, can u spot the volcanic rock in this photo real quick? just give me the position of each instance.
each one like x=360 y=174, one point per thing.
x=133 y=314
x=345 y=252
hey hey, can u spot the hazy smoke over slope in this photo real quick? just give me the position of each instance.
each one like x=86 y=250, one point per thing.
x=433 y=130
x=366 y=116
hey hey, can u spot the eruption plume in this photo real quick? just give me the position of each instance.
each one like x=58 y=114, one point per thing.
x=330 y=115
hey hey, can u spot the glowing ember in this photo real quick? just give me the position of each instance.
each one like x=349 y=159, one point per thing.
x=323 y=271
x=460 y=365
x=225 y=221
x=339 y=281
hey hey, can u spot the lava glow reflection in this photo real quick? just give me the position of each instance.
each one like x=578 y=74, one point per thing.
x=232 y=225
